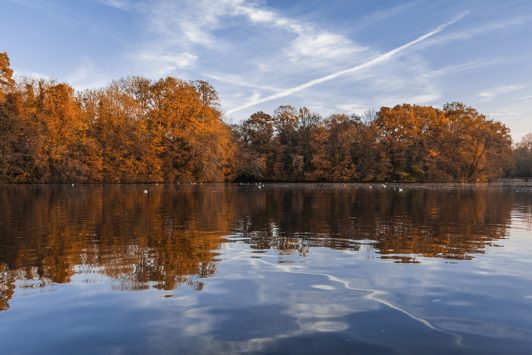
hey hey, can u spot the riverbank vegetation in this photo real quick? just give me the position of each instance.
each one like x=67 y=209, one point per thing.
x=170 y=130
x=522 y=157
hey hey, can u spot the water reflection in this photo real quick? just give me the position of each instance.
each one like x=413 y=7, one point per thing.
x=172 y=235
x=160 y=240
x=453 y=224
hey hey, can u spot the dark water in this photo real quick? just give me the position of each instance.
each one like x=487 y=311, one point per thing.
x=303 y=269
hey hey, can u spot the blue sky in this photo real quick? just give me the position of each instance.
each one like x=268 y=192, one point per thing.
x=331 y=56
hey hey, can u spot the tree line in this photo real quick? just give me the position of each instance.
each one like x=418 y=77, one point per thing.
x=170 y=130
x=522 y=155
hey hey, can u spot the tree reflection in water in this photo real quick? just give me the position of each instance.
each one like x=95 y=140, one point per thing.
x=172 y=235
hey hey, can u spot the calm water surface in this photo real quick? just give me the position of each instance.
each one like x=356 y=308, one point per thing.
x=302 y=269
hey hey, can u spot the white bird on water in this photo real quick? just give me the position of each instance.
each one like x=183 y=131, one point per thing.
x=145 y=192
x=400 y=189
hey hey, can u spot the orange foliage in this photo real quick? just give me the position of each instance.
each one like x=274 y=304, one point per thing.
x=139 y=130
x=134 y=130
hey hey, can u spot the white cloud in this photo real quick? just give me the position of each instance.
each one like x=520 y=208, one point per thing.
x=165 y=64
x=191 y=27
x=323 y=48
x=526 y=97
x=179 y=33
x=255 y=52
x=382 y=15
x=459 y=67
x=30 y=74
x=310 y=45
x=86 y=76
x=355 y=108
x=175 y=30
x=118 y=4
x=236 y=80
x=377 y=60
x=469 y=33
x=500 y=90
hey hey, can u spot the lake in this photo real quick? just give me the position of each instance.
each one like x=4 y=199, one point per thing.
x=273 y=268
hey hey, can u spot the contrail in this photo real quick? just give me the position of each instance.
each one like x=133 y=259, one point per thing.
x=382 y=58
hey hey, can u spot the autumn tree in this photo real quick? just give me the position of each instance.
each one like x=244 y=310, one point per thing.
x=255 y=153
x=408 y=143
x=195 y=144
x=71 y=154
x=6 y=120
x=411 y=135
x=17 y=133
x=522 y=154
x=171 y=130
x=481 y=147
x=6 y=75
x=302 y=161
x=122 y=129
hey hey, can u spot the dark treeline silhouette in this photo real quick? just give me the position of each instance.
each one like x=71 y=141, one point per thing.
x=169 y=130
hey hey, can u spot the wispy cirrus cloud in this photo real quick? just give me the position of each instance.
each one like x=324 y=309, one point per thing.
x=184 y=30
x=119 y=4
x=273 y=53
x=377 y=60
x=183 y=36
x=192 y=25
x=481 y=30
x=500 y=90
x=165 y=64
x=86 y=76
x=236 y=80
x=460 y=67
